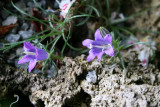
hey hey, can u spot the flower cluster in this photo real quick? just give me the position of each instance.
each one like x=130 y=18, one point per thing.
x=33 y=55
x=99 y=46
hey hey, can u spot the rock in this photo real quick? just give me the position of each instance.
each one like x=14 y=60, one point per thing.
x=91 y=77
x=22 y=66
x=10 y=20
x=24 y=26
x=36 y=71
x=70 y=87
x=51 y=72
x=12 y=38
x=21 y=5
x=30 y=4
x=25 y=34
x=43 y=3
x=11 y=58
x=19 y=51
x=56 y=5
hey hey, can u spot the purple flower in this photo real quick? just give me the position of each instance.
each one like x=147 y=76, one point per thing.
x=33 y=55
x=99 y=46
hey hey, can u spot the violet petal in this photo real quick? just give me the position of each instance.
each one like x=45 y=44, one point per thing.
x=110 y=51
x=26 y=58
x=91 y=56
x=28 y=47
x=32 y=64
x=108 y=38
x=99 y=56
x=41 y=54
x=98 y=35
x=87 y=42
x=96 y=51
x=98 y=43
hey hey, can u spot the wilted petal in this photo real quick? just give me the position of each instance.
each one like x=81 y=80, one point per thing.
x=144 y=57
x=32 y=64
x=99 y=56
x=87 y=42
x=108 y=38
x=110 y=51
x=41 y=54
x=98 y=35
x=91 y=56
x=26 y=58
x=28 y=47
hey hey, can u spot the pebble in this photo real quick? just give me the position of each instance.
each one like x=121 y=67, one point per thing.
x=36 y=71
x=19 y=51
x=30 y=4
x=43 y=3
x=51 y=72
x=25 y=34
x=22 y=66
x=56 y=5
x=21 y=5
x=91 y=77
x=10 y=20
x=11 y=58
x=24 y=26
x=12 y=38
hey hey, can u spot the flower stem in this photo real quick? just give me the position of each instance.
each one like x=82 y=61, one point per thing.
x=122 y=63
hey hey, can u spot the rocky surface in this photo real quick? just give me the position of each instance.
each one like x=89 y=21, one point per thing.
x=111 y=88
x=140 y=87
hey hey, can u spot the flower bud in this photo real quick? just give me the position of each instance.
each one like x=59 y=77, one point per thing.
x=103 y=31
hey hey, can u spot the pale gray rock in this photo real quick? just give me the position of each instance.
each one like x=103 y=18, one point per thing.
x=12 y=38
x=91 y=77
x=25 y=34
x=30 y=4
x=24 y=26
x=19 y=51
x=51 y=72
x=22 y=66
x=21 y=5
x=10 y=20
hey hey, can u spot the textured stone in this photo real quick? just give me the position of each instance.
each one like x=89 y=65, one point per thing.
x=25 y=34
x=12 y=38
x=113 y=89
x=91 y=77
x=10 y=20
